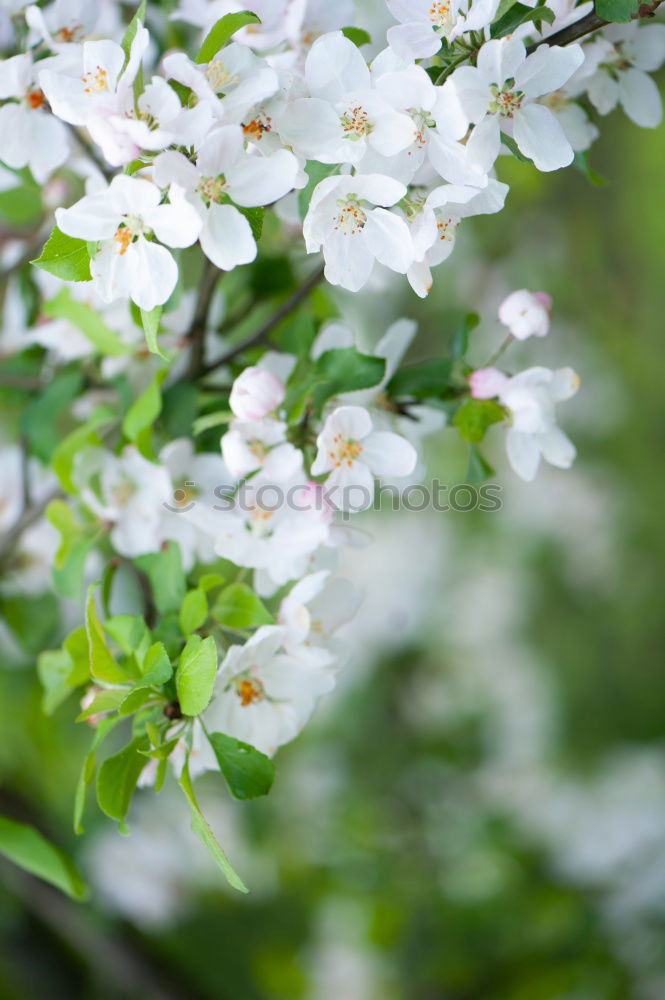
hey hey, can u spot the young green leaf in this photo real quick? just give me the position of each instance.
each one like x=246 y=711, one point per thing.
x=150 y=322
x=202 y=829
x=238 y=607
x=65 y=257
x=157 y=669
x=222 y=31
x=31 y=851
x=104 y=727
x=105 y=701
x=132 y=28
x=127 y=630
x=358 y=36
x=196 y=673
x=519 y=14
x=144 y=411
x=316 y=172
x=89 y=322
x=102 y=665
x=344 y=369
x=475 y=416
x=479 y=470
x=617 y=11
x=166 y=575
x=423 y=380
x=194 y=611
x=118 y=776
x=62 y=460
x=54 y=668
x=248 y=772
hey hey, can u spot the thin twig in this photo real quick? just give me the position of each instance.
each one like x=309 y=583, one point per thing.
x=30 y=515
x=284 y=310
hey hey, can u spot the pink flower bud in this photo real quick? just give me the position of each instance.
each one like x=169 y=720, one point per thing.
x=256 y=393
x=545 y=299
x=487 y=383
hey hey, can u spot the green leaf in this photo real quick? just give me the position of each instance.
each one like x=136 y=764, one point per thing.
x=344 y=369
x=105 y=701
x=104 y=727
x=422 y=380
x=358 y=36
x=475 y=416
x=210 y=420
x=617 y=11
x=460 y=344
x=144 y=411
x=222 y=31
x=62 y=460
x=157 y=669
x=202 y=829
x=118 y=776
x=89 y=322
x=77 y=646
x=238 y=607
x=316 y=172
x=150 y=322
x=503 y=8
x=210 y=581
x=70 y=558
x=509 y=143
x=519 y=14
x=54 y=668
x=581 y=163
x=39 y=422
x=196 y=673
x=479 y=470
x=194 y=611
x=249 y=773
x=255 y=217
x=127 y=630
x=29 y=850
x=65 y=257
x=132 y=28
x=102 y=665
x=135 y=700
x=165 y=572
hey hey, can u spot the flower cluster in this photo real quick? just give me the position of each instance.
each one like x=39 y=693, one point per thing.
x=208 y=419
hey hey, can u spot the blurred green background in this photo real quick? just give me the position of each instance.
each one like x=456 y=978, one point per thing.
x=478 y=813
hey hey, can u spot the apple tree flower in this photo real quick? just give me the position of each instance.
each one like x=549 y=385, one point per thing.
x=223 y=173
x=29 y=135
x=352 y=454
x=264 y=695
x=425 y=23
x=501 y=92
x=123 y=221
x=530 y=399
x=624 y=56
x=256 y=393
x=352 y=234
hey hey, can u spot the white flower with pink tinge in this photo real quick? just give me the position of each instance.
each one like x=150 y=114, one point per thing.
x=354 y=454
x=121 y=219
x=531 y=398
x=256 y=393
x=526 y=314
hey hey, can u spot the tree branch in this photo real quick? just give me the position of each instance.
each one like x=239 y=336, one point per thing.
x=591 y=22
x=197 y=331
x=284 y=310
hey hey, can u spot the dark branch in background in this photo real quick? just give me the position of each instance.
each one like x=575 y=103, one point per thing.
x=284 y=310
x=591 y=22
x=30 y=515
x=197 y=331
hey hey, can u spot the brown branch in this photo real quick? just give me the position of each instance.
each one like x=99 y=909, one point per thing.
x=266 y=328
x=30 y=515
x=591 y=22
